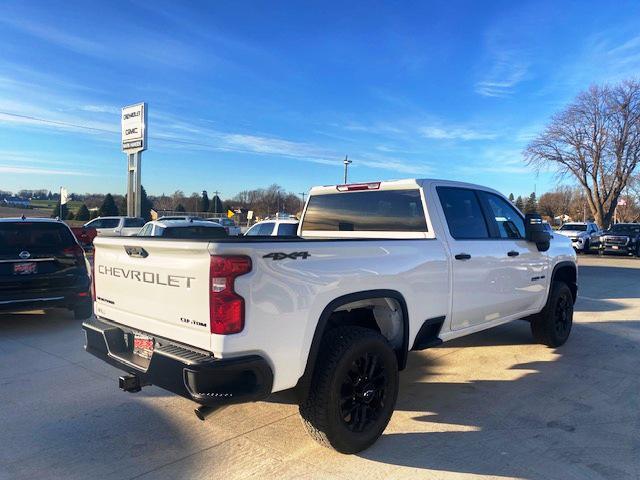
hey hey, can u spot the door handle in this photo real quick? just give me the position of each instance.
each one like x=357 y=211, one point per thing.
x=462 y=256
x=513 y=253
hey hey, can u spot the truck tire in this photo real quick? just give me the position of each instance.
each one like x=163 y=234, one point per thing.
x=353 y=390
x=552 y=326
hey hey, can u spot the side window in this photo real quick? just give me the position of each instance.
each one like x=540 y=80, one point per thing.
x=288 y=229
x=95 y=224
x=266 y=228
x=463 y=213
x=110 y=223
x=133 y=222
x=261 y=229
x=146 y=230
x=510 y=224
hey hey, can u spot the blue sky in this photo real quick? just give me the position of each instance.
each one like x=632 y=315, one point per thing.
x=245 y=94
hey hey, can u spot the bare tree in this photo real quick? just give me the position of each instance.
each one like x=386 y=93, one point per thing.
x=597 y=140
x=555 y=203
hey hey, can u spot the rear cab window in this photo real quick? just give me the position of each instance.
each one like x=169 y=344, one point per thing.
x=398 y=211
x=195 y=232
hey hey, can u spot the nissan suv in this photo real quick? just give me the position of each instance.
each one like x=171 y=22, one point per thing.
x=41 y=266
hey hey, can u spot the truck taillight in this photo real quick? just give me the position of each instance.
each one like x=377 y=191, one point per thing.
x=93 y=277
x=226 y=307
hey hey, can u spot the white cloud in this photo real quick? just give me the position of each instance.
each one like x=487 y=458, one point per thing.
x=508 y=44
x=506 y=72
x=43 y=171
x=454 y=133
x=100 y=109
x=58 y=37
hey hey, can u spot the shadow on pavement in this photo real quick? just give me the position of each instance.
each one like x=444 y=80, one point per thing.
x=576 y=416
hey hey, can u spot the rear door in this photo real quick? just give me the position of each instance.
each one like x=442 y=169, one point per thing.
x=38 y=258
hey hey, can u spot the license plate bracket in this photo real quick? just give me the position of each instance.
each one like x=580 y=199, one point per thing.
x=143 y=345
x=25 y=268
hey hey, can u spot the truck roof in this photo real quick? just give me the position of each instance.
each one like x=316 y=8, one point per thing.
x=397 y=185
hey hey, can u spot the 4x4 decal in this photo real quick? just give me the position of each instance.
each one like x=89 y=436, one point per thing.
x=282 y=255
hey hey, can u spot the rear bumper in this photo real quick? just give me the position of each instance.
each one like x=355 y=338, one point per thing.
x=32 y=300
x=182 y=370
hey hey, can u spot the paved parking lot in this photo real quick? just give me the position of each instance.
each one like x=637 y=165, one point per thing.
x=489 y=405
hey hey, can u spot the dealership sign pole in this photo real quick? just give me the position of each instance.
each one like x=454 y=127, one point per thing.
x=134 y=142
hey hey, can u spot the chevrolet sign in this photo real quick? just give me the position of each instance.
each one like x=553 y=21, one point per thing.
x=134 y=128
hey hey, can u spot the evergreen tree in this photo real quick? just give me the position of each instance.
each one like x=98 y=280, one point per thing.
x=56 y=211
x=146 y=205
x=531 y=204
x=121 y=203
x=519 y=203
x=93 y=214
x=70 y=215
x=83 y=213
x=180 y=208
x=109 y=207
x=204 y=202
x=216 y=205
x=511 y=197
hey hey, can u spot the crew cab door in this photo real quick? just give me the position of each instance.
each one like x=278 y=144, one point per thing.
x=491 y=275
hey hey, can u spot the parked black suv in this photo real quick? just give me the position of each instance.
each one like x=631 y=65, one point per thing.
x=42 y=265
x=621 y=238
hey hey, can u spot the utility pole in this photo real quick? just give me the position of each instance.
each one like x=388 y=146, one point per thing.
x=215 y=194
x=346 y=162
x=303 y=194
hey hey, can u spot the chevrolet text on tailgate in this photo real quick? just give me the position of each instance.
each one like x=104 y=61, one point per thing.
x=377 y=269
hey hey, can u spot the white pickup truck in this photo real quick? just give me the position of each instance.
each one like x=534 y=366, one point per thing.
x=116 y=226
x=377 y=270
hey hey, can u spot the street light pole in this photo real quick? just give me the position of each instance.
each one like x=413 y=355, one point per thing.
x=303 y=194
x=346 y=162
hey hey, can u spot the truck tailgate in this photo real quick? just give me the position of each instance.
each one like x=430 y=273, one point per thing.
x=159 y=287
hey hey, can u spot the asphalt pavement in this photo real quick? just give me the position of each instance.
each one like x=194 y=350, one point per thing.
x=493 y=404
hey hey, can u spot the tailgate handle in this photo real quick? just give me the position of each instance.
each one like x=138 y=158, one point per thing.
x=137 y=252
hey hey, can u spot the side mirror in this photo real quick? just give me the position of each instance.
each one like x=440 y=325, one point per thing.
x=534 y=231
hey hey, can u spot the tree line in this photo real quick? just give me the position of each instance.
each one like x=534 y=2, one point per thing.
x=262 y=201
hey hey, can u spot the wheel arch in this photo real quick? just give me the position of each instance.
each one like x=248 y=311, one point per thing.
x=323 y=326
x=566 y=272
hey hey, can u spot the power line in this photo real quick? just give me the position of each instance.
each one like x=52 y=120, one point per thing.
x=104 y=130
x=56 y=122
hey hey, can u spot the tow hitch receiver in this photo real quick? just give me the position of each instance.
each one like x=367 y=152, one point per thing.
x=130 y=383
